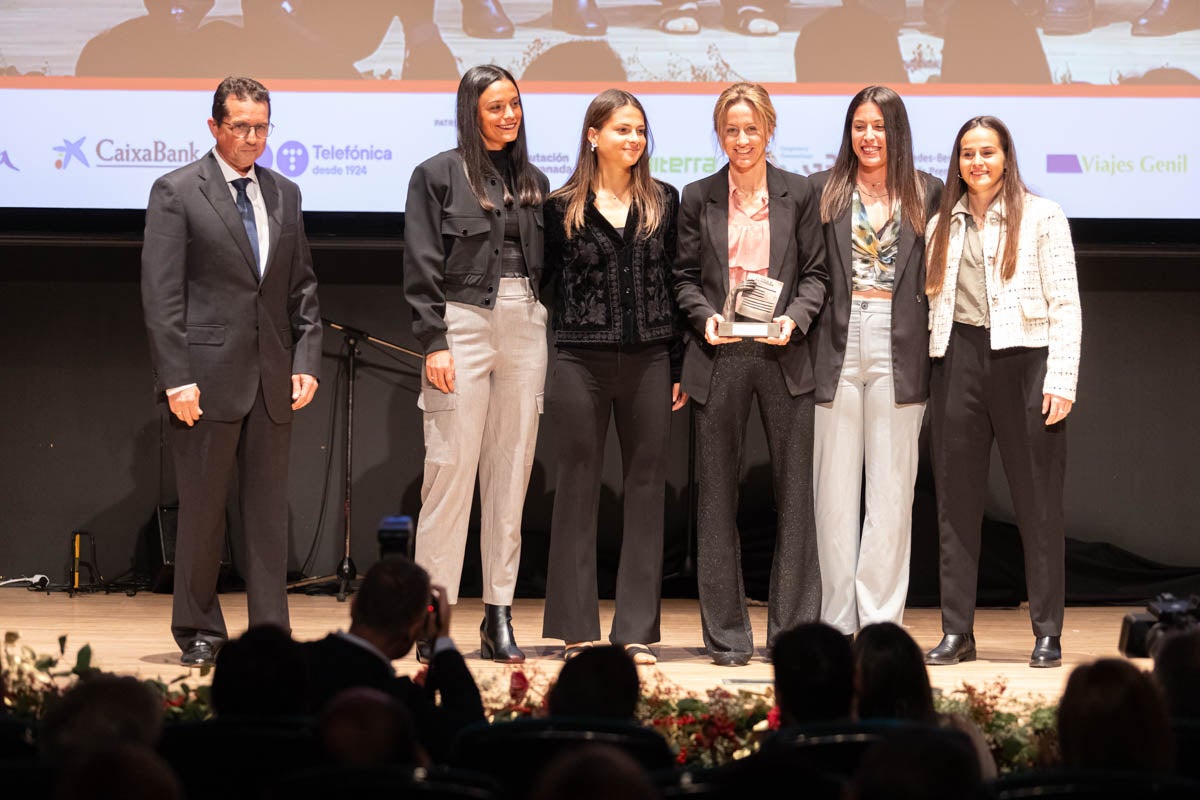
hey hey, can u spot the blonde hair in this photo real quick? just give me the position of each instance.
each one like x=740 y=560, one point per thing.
x=753 y=95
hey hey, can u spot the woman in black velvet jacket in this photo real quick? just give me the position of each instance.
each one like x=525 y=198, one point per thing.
x=610 y=246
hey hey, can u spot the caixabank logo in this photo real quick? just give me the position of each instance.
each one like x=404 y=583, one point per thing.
x=70 y=152
x=114 y=153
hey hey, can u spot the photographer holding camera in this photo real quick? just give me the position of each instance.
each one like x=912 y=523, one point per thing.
x=394 y=608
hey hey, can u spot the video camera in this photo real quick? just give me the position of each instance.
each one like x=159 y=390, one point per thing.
x=1142 y=633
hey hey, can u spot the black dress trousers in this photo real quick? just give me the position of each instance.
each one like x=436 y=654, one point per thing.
x=976 y=395
x=631 y=384
x=742 y=371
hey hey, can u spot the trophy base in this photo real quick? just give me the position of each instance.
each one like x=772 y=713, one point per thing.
x=750 y=330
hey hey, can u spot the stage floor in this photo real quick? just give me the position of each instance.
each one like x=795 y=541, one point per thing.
x=131 y=635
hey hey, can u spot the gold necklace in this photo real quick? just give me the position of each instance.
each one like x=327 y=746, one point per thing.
x=863 y=189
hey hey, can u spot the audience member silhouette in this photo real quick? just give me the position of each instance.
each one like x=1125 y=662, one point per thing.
x=599 y=682
x=1177 y=670
x=918 y=764
x=388 y=614
x=890 y=677
x=891 y=682
x=1113 y=717
x=992 y=41
x=121 y=771
x=363 y=727
x=814 y=674
x=262 y=673
x=100 y=711
x=823 y=44
x=593 y=772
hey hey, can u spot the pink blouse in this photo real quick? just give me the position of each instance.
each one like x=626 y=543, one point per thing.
x=749 y=235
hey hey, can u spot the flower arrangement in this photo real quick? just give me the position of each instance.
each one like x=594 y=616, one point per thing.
x=1020 y=732
x=33 y=683
x=704 y=730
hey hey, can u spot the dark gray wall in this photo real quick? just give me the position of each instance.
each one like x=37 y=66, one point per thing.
x=79 y=426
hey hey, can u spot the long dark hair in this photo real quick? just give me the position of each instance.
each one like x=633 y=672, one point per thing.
x=1012 y=193
x=902 y=181
x=471 y=148
x=646 y=195
x=890 y=672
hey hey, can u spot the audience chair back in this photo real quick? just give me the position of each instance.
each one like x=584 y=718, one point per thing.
x=1092 y=785
x=514 y=752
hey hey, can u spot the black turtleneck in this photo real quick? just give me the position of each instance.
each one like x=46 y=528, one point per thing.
x=513 y=264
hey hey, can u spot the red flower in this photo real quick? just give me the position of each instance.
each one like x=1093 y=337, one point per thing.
x=682 y=757
x=773 y=718
x=518 y=686
x=419 y=678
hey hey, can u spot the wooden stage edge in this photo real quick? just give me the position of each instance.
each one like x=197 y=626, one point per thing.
x=130 y=635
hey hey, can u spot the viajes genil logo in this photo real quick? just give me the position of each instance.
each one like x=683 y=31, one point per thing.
x=1112 y=164
x=71 y=151
x=291 y=158
x=1063 y=163
x=7 y=162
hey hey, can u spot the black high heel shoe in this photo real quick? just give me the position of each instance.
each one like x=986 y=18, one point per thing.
x=496 y=640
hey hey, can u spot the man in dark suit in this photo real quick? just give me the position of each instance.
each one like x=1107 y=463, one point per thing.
x=230 y=302
x=395 y=607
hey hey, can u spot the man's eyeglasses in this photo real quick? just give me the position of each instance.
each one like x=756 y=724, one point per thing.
x=241 y=129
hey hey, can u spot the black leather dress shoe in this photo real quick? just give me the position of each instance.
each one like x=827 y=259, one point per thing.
x=485 y=19
x=726 y=658
x=953 y=648
x=199 y=653
x=1047 y=652
x=1068 y=17
x=1165 y=17
x=580 y=17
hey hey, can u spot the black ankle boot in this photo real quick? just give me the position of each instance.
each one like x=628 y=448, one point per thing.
x=496 y=636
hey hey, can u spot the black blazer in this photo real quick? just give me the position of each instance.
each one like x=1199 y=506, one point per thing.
x=336 y=663
x=453 y=247
x=209 y=319
x=910 y=311
x=702 y=270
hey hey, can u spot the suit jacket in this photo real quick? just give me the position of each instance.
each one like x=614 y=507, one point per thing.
x=336 y=663
x=210 y=320
x=453 y=247
x=910 y=313
x=702 y=271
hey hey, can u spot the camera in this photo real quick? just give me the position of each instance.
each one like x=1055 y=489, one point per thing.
x=433 y=614
x=1143 y=633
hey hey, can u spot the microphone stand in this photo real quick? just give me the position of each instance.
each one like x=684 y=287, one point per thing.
x=346 y=571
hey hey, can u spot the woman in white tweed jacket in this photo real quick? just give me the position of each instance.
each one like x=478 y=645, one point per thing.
x=1004 y=326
